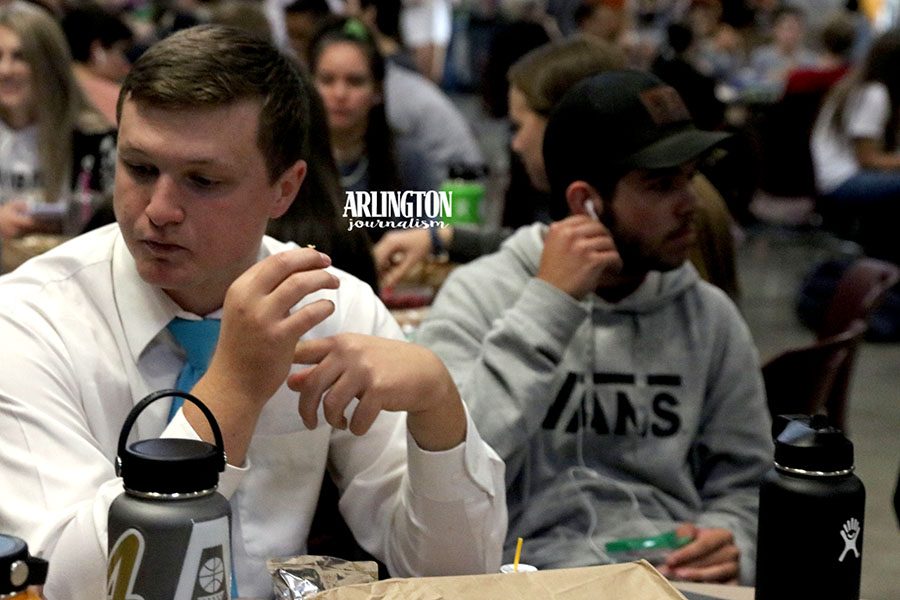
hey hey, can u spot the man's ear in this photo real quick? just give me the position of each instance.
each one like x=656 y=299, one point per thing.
x=287 y=187
x=579 y=192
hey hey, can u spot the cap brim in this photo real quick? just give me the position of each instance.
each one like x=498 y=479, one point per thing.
x=675 y=149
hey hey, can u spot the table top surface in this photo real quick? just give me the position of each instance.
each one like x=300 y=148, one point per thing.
x=725 y=592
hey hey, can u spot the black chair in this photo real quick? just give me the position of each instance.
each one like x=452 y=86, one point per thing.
x=814 y=379
x=858 y=294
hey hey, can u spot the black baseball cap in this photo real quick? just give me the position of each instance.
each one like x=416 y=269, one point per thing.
x=611 y=123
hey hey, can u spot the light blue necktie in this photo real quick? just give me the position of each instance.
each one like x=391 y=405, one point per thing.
x=198 y=338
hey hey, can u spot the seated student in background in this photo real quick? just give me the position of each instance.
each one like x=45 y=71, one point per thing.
x=315 y=216
x=838 y=38
x=211 y=141
x=99 y=41
x=52 y=140
x=419 y=113
x=622 y=391
x=537 y=81
x=770 y=64
x=854 y=148
x=349 y=72
x=417 y=109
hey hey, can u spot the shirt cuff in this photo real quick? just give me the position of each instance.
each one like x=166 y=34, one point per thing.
x=456 y=474
x=230 y=478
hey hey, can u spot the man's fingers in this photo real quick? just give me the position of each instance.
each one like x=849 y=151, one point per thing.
x=328 y=384
x=313 y=382
x=364 y=415
x=309 y=316
x=311 y=352
x=312 y=385
x=336 y=399
x=269 y=273
x=399 y=270
x=307 y=404
x=706 y=542
x=728 y=553
x=297 y=286
x=721 y=573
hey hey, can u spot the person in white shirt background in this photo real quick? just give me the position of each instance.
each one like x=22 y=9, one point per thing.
x=854 y=148
x=52 y=140
x=211 y=145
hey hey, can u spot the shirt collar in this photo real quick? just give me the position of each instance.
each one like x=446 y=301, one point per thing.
x=145 y=310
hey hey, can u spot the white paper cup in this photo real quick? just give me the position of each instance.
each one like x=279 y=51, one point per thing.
x=523 y=568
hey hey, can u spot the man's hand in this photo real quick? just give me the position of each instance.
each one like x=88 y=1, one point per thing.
x=15 y=220
x=577 y=251
x=382 y=374
x=399 y=251
x=256 y=345
x=712 y=556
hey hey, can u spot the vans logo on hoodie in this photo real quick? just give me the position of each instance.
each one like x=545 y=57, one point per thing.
x=662 y=419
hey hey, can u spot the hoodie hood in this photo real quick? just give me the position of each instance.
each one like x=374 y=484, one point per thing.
x=657 y=290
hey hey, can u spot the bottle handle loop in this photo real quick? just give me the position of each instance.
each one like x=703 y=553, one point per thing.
x=150 y=399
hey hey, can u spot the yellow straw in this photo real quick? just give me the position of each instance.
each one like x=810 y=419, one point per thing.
x=518 y=554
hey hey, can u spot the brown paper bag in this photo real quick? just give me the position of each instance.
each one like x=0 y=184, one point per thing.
x=628 y=581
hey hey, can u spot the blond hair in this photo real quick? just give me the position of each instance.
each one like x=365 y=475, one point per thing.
x=60 y=105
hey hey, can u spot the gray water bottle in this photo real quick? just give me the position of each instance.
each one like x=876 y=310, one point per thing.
x=169 y=532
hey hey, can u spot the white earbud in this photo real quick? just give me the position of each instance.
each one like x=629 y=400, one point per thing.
x=590 y=210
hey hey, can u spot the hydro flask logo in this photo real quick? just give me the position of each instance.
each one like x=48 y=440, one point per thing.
x=210 y=583
x=850 y=534
x=124 y=563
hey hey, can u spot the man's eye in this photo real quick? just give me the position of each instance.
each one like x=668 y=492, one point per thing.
x=202 y=182
x=664 y=184
x=140 y=171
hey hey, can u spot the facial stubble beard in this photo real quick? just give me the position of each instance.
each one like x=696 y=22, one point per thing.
x=635 y=261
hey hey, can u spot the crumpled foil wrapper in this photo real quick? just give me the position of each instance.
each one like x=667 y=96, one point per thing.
x=301 y=577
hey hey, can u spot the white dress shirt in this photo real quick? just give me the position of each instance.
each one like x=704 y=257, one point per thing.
x=84 y=339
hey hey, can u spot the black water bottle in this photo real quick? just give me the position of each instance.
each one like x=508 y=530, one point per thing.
x=811 y=509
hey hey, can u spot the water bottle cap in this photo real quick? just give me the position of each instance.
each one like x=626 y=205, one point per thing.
x=170 y=465
x=467 y=171
x=811 y=445
x=18 y=569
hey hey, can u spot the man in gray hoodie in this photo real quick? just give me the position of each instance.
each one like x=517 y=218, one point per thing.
x=622 y=391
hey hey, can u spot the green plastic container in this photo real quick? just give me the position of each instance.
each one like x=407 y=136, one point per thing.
x=466 y=201
x=653 y=549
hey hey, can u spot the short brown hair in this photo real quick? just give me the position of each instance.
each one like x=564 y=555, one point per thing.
x=215 y=65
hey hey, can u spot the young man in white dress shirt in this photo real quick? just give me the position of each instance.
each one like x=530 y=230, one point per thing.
x=211 y=146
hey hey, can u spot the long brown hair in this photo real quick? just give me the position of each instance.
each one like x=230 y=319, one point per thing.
x=60 y=106
x=546 y=73
x=379 y=138
x=882 y=65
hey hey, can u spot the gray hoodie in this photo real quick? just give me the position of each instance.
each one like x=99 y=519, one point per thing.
x=615 y=420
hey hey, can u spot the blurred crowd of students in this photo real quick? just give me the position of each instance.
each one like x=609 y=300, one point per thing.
x=383 y=70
